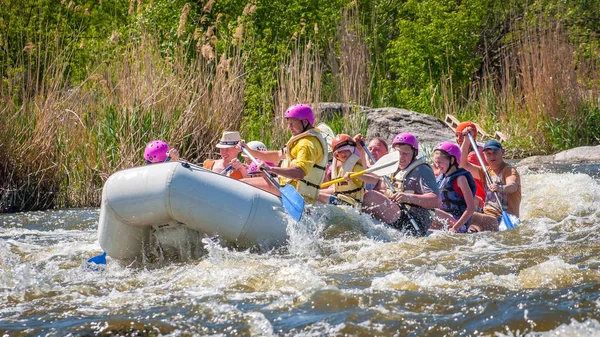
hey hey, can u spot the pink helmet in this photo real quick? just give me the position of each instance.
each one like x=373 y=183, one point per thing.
x=408 y=139
x=450 y=148
x=156 y=151
x=301 y=112
x=252 y=168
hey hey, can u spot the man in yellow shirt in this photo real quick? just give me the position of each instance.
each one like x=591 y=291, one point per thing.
x=303 y=160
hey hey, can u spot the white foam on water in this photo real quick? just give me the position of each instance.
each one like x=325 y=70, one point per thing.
x=259 y=324
x=575 y=328
x=318 y=329
x=556 y=196
x=422 y=279
x=554 y=273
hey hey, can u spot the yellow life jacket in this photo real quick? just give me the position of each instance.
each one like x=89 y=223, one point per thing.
x=309 y=186
x=398 y=179
x=348 y=188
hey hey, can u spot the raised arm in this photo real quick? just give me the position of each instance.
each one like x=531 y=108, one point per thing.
x=464 y=160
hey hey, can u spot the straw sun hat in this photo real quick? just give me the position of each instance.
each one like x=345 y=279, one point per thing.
x=229 y=139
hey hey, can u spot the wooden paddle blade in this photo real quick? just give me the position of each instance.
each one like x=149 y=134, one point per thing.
x=292 y=201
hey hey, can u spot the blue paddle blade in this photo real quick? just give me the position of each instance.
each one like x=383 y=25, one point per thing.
x=508 y=222
x=293 y=202
x=100 y=259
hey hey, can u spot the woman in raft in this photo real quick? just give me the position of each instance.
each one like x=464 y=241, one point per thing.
x=457 y=190
x=416 y=191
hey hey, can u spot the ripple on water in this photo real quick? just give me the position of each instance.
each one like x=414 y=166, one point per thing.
x=341 y=274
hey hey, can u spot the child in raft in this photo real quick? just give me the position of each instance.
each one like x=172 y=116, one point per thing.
x=252 y=168
x=345 y=162
x=157 y=151
x=253 y=145
x=457 y=190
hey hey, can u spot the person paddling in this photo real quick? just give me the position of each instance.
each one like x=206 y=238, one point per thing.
x=229 y=152
x=506 y=182
x=254 y=145
x=251 y=167
x=345 y=162
x=158 y=151
x=303 y=159
x=416 y=191
x=457 y=190
x=472 y=157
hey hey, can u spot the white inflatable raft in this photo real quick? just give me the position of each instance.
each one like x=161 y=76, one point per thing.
x=137 y=199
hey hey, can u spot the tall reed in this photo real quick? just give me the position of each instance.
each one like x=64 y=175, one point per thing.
x=542 y=97
x=71 y=137
x=349 y=62
x=299 y=82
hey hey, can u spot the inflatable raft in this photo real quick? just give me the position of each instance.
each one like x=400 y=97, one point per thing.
x=136 y=200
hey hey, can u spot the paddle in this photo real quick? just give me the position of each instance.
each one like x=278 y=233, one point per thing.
x=505 y=217
x=96 y=260
x=292 y=201
x=384 y=166
x=227 y=169
x=391 y=187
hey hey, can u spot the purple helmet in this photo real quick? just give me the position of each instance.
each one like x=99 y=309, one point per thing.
x=450 y=148
x=301 y=111
x=252 y=168
x=408 y=139
x=156 y=151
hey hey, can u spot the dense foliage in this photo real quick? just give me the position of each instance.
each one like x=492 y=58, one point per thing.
x=86 y=83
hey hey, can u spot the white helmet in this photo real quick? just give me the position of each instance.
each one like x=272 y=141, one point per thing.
x=256 y=145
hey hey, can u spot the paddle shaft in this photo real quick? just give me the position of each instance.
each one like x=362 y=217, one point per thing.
x=391 y=187
x=292 y=201
x=227 y=169
x=385 y=178
x=358 y=174
x=487 y=176
x=269 y=176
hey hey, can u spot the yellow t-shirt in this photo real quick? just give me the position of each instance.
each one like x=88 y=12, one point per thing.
x=307 y=152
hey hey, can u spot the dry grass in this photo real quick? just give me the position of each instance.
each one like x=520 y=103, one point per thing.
x=540 y=86
x=349 y=61
x=62 y=140
x=299 y=82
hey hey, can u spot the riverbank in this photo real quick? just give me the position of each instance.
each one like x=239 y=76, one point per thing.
x=83 y=94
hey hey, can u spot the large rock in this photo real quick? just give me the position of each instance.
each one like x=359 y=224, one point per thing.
x=329 y=110
x=387 y=122
x=583 y=154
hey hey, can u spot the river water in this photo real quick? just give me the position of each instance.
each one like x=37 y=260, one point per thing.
x=340 y=275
